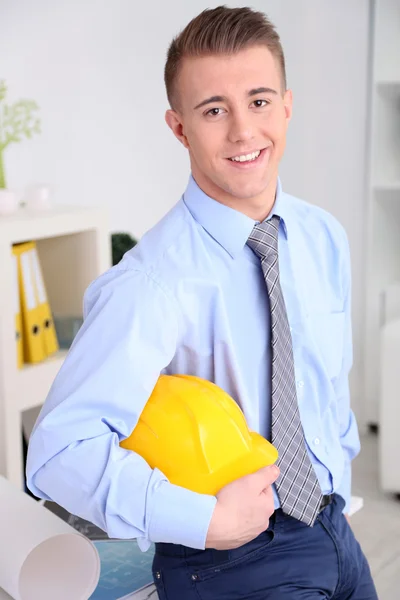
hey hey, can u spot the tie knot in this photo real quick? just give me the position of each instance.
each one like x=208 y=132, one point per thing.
x=264 y=237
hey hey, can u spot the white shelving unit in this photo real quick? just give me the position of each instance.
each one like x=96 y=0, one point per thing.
x=74 y=247
x=383 y=243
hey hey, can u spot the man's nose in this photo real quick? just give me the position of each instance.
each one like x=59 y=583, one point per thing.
x=241 y=129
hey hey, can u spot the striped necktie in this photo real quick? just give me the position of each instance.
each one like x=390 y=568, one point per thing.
x=297 y=486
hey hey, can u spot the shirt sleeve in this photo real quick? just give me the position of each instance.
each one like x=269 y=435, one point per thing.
x=128 y=337
x=348 y=429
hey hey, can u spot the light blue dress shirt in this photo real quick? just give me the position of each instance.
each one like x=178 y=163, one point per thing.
x=191 y=298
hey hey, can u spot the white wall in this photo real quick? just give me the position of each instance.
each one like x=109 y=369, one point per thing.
x=96 y=69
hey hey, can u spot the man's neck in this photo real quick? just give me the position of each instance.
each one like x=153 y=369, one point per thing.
x=257 y=208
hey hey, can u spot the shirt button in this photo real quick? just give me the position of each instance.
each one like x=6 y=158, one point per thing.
x=316 y=441
x=300 y=383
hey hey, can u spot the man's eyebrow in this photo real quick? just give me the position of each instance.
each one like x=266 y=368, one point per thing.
x=210 y=101
x=262 y=90
x=253 y=92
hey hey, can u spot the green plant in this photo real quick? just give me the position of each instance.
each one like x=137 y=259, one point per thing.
x=121 y=243
x=17 y=120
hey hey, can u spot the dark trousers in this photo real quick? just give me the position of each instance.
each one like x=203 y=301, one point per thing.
x=289 y=561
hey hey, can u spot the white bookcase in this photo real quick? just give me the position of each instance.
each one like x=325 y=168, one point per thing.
x=74 y=247
x=383 y=214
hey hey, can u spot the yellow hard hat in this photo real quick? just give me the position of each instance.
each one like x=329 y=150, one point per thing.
x=197 y=436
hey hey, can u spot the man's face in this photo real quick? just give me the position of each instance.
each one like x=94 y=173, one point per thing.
x=232 y=107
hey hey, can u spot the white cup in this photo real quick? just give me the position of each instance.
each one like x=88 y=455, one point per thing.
x=9 y=202
x=38 y=196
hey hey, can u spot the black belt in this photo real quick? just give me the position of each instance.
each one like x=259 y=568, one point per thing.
x=326 y=500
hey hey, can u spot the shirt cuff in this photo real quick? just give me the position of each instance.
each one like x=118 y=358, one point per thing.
x=180 y=516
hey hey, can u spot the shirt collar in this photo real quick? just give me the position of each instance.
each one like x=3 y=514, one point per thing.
x=229 y=227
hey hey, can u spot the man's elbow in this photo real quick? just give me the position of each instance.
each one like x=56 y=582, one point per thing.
x=32 y=474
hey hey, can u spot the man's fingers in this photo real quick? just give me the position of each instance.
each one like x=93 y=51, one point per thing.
x=265 y=477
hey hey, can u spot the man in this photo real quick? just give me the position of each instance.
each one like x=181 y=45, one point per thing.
x=243 y=285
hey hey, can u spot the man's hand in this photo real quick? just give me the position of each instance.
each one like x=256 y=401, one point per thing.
x=243 y=510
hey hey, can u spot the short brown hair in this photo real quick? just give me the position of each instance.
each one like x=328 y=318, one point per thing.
x=221 y=30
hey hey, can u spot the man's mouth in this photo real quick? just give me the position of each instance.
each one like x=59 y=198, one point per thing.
x=250 y=159
x=246 y=157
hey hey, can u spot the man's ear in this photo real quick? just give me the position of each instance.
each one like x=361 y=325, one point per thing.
x=288 y=104
x=174 y=122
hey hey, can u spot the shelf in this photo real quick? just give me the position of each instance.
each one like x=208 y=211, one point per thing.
x=25 y=224
x=74 y=247
x=390 y=89
x=386 y=135
x=389 y=199
x=33 y=381
x=387 y=40
x=387 y=187
x=382 y=249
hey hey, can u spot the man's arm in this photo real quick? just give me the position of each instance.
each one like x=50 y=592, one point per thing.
x=347 y=424
x=128 y=337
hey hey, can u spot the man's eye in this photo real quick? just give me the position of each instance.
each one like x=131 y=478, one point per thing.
x=214 y=112
x=260 y=103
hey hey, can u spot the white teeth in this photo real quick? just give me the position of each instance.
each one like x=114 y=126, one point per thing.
x=246 y=157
